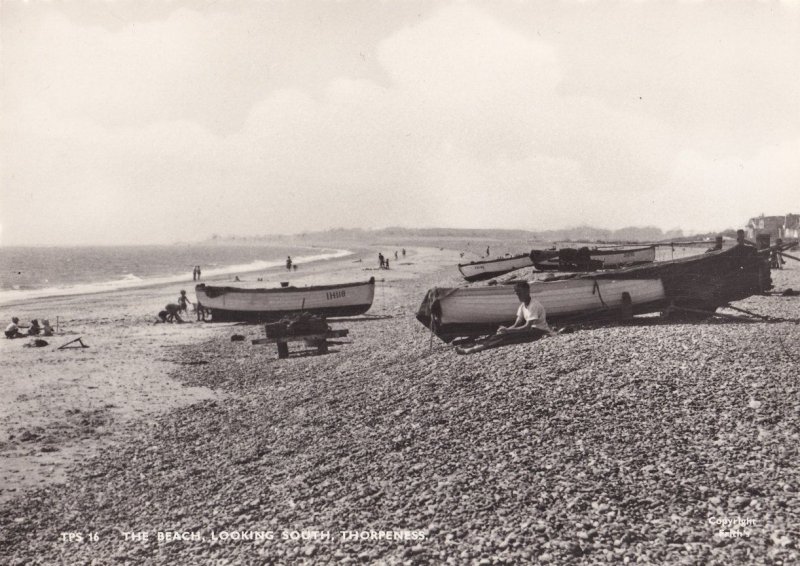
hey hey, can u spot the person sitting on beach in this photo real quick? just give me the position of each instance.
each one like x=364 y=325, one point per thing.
x=47 y=330
x=531 y=324
x=35 y=329
x=182 y=300
x=12 y=330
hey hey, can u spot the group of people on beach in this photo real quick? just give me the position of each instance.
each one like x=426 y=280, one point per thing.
x=290 y=264
x=196 y=273
x=383 y=262
x=13 y=330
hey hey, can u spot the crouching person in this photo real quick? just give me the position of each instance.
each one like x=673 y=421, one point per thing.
x=170 y=314
x=12 y=330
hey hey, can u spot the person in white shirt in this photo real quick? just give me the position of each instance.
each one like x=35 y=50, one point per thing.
x=12 y=330
x=531 y=323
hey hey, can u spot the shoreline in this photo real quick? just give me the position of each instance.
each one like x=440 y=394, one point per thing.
x=215 y=274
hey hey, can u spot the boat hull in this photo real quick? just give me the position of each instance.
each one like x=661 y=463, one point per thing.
x=613 y=259
x=704 y=282
x=480 y=270
x=258 y=305
x=591 y=260
x=481 y=310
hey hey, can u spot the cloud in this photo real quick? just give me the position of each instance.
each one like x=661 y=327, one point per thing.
x=737 y=186
x=177 y=128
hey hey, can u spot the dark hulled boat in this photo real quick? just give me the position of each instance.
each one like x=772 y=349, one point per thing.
x=703 y=282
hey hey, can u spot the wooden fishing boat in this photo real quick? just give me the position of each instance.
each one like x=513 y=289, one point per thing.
x=585 y=259
x=479 y=270
x=229 y=303
x=467 y=311
x=703 y=282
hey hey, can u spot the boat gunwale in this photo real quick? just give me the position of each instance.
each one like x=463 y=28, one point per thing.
x=484 y=262
x=228 y=289
x=620 y=251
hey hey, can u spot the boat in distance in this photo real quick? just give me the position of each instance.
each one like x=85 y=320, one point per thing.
x=565 y=259
x=228 y=303
x=486 y=269
x=585 y=259
x=703 y=283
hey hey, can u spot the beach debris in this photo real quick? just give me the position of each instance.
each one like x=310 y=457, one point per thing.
x=790 y=292
x=28 y=436
x=36 y=343
x=68 y=345
x=237 y=338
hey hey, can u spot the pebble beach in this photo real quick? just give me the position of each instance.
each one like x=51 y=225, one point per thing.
x=652 y=441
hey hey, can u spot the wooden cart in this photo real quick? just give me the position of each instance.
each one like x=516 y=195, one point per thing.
x=318 y=341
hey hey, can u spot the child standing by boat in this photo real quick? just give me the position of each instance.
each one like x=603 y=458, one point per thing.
x=183 y=300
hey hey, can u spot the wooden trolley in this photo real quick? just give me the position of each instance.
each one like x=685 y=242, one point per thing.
x=317 y=340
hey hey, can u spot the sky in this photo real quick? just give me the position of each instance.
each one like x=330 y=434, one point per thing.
x=155 y=122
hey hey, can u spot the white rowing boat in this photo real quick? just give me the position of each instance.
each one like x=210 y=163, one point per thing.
x=231 y=303
x=473 y=310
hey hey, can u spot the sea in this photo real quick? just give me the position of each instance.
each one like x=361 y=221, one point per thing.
x=35 y=272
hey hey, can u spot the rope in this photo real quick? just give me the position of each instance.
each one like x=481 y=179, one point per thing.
x=764 y=317
x=599 y=294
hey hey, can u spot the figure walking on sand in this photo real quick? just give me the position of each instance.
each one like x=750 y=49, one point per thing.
x=288 y=263
x=531 y=324
x=381 y=261
x=404 y=252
